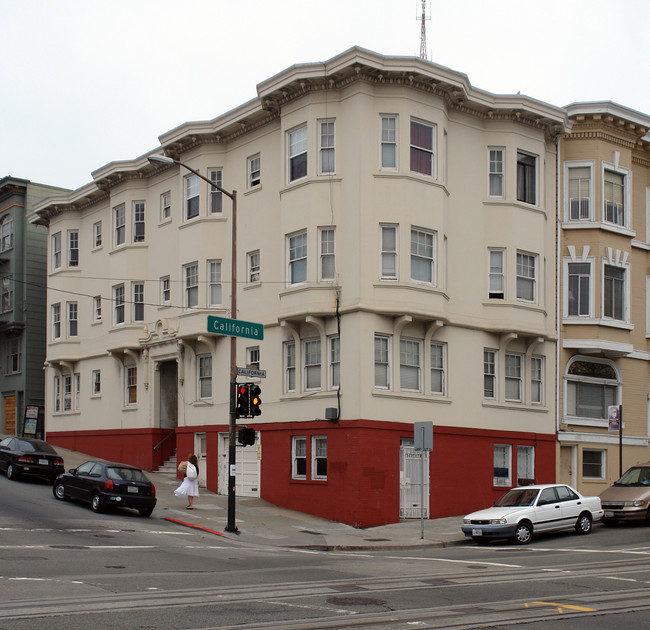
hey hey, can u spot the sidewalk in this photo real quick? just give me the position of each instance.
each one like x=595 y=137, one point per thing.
x=262 y=523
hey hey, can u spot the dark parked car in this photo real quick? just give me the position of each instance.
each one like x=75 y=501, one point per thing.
x=107 y=483
x=27 y=456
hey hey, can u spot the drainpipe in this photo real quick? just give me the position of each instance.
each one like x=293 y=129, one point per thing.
x=558 y=303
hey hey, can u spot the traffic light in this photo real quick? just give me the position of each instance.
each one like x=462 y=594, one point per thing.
x=246 y=436
x=243 y=404
x=255 y=400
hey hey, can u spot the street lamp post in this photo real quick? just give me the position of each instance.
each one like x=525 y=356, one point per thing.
x=165 y=159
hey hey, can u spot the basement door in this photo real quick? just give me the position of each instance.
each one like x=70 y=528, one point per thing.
x=247 y=467
x=410 y=481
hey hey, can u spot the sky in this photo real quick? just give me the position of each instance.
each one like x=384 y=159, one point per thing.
x=88 y=82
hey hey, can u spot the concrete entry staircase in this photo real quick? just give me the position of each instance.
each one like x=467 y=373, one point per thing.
x=169 y=467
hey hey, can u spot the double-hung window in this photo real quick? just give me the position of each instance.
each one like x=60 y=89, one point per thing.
x=525 y=465
x=298 y=457
x=593 y=464
x=490 y=374
x=579 y=289
x=191 y=197
x=409 y=364
x=319 y=457
x=138 y=301
x=205 y=376
x=422 y=138
x=254 y=171
x=118 y=304
x=382 y=362
x=6 y=294
x=67 y=393
x=495 y=172
x=614 y=197
x=254 y=266
x=72 y=319
x=216 y=196
x=138 y=221
x=514 y=377
x=326 y=140
x=422 y=259
x=388 y=252
x=97 y=382
x=297 y=153
x=327 y=267
x=290 y=366
x=389 y=142
x=438 y=368
x=97 y=234
x=214 y=283
x=579 y=193
x=537 y=380
x=614 y=292
x=56 y=321
x=334 y=362
x=97 y=308
x=73 y=248
x=165 y=290
x=13 y=356
x=526 y=277
x=298 y=258
x=7 y=234
x=526 y=178
x=497 y=276
x=312 y=364
x=56 y=250
x=191 y=275
x=165 y=206
x=253 y=357
x=119 y=225
x=57 y=394
x=131 y=385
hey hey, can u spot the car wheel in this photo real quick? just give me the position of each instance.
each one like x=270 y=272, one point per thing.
x=11 y=472
x=96 y=503
x=583 y=525
x=145 y=511
x=59 y=492
x=647 y=517
x=523 y=533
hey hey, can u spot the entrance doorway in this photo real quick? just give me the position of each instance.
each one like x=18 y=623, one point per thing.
x=247 y=467
x=410 y=480
x=200 y=452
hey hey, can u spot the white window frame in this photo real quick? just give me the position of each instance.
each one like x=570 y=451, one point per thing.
x=253 y=259
x=537 y=393
x=253 y=357
x=73 y=248
x=317 y=456
x=422 y=149
x=584 y=199
x=137 y=292
x=491 y=372
x=67 y=392
x=496 y=157
x=438 y=363
x=215 y=196
x=131 y=385
x=165 y=290
x=119 y=305
x=297 y=252
x=526 y=278
x=496 y=274
x=614 y=385
x=139 y=224
x=525 y=464
x=191 y=285
x=514 y=375
x=327 y=146
x=191 y=196
x=382 y=360
x=56 y=322
x=97 y=308
x=603 y=463
x=626 y=200
x=73 y=319
x=625 y=297
x=312 y=364
x=385 y=253
x=215 y=287
x=56 y=389
x=290 y=366
x=254 y=170
x=97 y=235
x=334 y=361
x=96 y=379
x=204 y=376
x=165 y=206
x=502 y=454
x=119 y=225
x=522 y=195
x=77 y=391
x=57 y=261
x=388 y=132
x=566 y=290
x=298 y=452
x=297 y=147
x=407 y=363
x=326 y=254
x=420 y=253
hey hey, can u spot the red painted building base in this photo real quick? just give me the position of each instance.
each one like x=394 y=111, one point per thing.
x=363 y=464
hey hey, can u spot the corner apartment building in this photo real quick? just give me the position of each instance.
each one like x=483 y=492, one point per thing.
x=396 y=239
x=23 y=276
x=604 y=253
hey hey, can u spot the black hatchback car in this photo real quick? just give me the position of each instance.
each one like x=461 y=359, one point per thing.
x=27 y=456
x=107 y=483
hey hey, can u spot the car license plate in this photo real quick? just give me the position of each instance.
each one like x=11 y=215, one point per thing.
x=609 y=514
x=477 y=531
x=133 y=489
x=43 y=462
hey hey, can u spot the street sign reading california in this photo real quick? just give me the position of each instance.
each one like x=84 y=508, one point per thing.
x=235 y=327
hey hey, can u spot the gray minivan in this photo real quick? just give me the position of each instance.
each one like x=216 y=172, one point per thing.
x=629 y=498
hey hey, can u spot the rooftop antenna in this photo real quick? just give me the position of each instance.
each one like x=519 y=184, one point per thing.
x=423 y=30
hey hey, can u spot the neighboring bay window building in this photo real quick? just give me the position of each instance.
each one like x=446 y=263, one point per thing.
x=401 y=263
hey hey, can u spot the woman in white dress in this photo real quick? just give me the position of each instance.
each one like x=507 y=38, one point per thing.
x=190 y=486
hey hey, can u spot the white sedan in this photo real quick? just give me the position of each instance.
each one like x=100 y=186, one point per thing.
x=524 y=511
